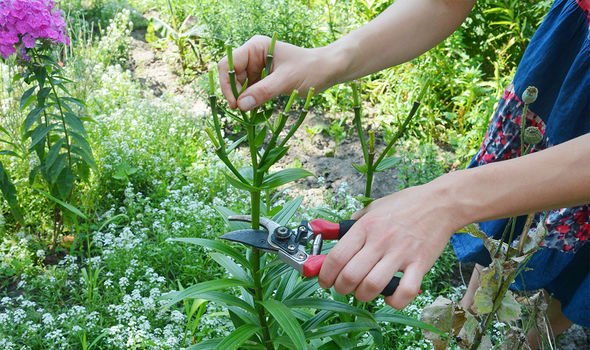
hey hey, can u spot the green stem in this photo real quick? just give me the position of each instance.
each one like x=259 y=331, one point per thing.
x=256 y=253
x=300 y=119
x=522 y=127
x=269 y=56
x=370 y=165
x=399 y=133
x=232 y=72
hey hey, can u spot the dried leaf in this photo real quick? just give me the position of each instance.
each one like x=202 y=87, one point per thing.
x=488 y=289
x=509 y=309
x=469 y=330
x=439 y=314
x=514 y=339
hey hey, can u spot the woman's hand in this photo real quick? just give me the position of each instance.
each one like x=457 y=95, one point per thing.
x=293 y=68
x=406 y=231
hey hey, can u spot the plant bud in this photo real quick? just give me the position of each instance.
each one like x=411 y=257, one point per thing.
x=532 y=135
x=530 y=95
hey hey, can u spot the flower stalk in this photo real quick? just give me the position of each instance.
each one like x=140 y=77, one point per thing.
x=371 y=165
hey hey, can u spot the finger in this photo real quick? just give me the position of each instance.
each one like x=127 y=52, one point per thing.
x=408 y=288
x=356 y=270
x=262 y=91
x=223 y=71
x=340 y=255
x=376 y=281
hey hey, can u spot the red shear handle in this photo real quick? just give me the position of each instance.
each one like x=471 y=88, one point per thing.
x=313 y=265
x=330 y=230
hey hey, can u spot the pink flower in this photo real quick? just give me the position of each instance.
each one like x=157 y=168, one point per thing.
x=24 y=22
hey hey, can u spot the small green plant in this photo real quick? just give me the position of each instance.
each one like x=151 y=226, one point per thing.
x=376 y=162
x=186 y=35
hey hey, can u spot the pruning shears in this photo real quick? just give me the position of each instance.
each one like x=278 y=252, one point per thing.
x=289 y=244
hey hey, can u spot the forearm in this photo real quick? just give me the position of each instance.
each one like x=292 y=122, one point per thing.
x=557 y=177
x=402 y=32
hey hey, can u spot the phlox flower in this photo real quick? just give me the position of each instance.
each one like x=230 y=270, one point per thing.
x=24 y=22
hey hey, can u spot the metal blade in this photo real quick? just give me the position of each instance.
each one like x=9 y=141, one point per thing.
x=254 y=238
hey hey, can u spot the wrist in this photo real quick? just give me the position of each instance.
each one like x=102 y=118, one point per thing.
x=337 y=62
x=459 y=205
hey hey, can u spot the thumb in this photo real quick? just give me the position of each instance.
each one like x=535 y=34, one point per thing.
x=262 y=91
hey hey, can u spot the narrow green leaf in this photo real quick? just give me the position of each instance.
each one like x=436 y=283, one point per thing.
x=387 y=163
x=389 y=315
x=4 y=131
x=6 y=152
x=284 y=176
x=210 y=344
x=233 y=225
x=9 y=192
x=241 y=317
x=341 y=328
x=64 y=205
x=237 y=337
x=39 y=134
x=287 y=284
x=239 y=184
x=42 y=95
x=52 y=173
x=215 y=245
x=360 y=168
x=260 y=137
x=81 y=141
x=236 y=143
x=325 y=304
x=65 y=182
x=231 y=267
x=32 y=117
x=27 y=98
x=85 y=156
x=75 y=123
x=228 y=300
x=304 y=289
x=53 y=153
x=288 y=210
x=319 y=318
x=287 y=321
x=273 y=156
x=195 y=291
x=74 y=100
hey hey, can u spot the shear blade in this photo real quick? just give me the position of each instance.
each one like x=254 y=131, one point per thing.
x=254 y=238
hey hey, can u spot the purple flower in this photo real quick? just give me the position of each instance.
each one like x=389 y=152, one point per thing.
x=24 y=22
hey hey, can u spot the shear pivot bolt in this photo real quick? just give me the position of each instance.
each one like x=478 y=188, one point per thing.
x=282 y=233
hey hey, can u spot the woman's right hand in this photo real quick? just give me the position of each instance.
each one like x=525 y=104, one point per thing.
x=293 y=68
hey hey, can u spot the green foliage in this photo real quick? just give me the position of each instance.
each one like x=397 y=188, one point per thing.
x=292 y=21
x=113 y=47
x=185 y=34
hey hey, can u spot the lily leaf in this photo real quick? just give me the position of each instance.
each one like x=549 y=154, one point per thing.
x=238 y=337
x=284 y=176
x=282 y=314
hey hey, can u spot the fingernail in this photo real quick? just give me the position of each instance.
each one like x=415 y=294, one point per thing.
x=246 y=103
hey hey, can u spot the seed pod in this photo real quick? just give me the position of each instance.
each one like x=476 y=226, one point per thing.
x=532 y=135
x=530 y=95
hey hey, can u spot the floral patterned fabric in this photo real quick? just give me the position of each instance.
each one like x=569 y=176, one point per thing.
x=568 y=228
